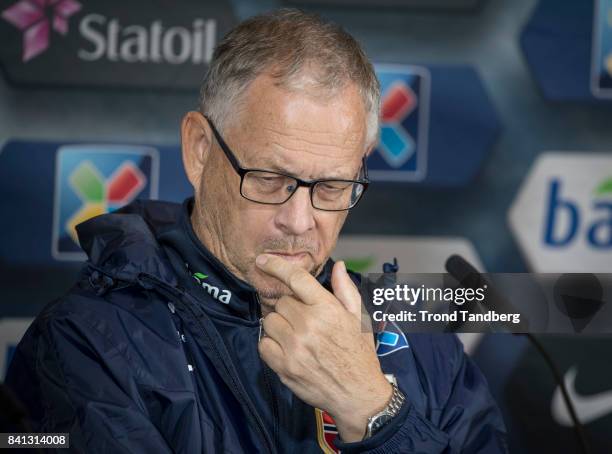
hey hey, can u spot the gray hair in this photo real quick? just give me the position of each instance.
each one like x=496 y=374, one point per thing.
x=301 y=50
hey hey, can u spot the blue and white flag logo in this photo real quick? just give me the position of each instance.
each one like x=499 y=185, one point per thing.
x=390 y=340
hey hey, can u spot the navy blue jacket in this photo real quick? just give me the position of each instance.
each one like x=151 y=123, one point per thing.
x=141 y=357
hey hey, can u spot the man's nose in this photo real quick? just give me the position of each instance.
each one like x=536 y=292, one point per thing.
x=296 y=215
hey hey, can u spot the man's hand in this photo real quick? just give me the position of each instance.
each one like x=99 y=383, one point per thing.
x=315 y=343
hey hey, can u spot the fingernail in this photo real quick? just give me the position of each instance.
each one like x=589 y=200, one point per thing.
x=261 y=259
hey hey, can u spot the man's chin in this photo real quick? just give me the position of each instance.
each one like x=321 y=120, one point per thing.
x=269 y=287
x=272 y=290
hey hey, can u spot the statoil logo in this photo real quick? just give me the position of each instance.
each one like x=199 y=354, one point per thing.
x=91 y=180
x=37 y=19
x=101 y=37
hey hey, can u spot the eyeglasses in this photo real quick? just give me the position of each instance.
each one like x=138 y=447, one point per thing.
x=275 y=188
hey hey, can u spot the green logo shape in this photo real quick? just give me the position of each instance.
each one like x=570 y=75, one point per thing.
x=359 y=264
x=88 y=183
x=199 y=276
x=605 y=187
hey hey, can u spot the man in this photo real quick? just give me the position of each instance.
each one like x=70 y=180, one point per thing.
x=222 y=325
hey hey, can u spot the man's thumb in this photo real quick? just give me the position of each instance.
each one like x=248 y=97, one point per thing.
x=345 y=290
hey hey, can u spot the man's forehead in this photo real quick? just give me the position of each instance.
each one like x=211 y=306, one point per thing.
x=292 y=131
x=325 y=120
x=302 y=166
x=314 y=137
x=302 y=157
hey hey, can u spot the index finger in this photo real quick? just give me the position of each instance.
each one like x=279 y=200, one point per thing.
x=304 y=285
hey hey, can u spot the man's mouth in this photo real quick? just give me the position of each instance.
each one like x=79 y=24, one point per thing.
x=290 y=256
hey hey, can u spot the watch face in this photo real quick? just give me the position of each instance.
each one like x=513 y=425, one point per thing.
x=380 y=421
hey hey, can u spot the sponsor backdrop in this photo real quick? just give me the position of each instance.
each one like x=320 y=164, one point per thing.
x=484 y=152
x=568 y=45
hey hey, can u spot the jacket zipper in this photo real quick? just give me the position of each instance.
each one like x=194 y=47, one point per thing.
x=234 y=382
x=268 y=379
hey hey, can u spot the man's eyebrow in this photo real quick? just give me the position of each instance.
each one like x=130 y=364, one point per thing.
x=276 y=164
x=333 y=175
x=279 y=168
x=276 y=167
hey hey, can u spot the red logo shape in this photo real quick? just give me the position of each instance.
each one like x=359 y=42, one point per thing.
x=399 y=101
x=124 y=184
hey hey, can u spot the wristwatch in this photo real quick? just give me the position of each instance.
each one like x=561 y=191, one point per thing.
x=380 y=419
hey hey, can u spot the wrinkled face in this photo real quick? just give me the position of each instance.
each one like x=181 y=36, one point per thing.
x=279 y=130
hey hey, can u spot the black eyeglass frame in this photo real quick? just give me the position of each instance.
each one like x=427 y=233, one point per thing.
x=310 y=184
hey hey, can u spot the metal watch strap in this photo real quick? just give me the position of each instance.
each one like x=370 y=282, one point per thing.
x=389 y=412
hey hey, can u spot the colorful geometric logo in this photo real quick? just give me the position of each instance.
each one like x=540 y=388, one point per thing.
x=601 y=71
x=36 y=18
x=97 y=179
x=402 y=149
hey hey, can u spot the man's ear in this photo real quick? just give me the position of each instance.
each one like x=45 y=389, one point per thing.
x=196 y=143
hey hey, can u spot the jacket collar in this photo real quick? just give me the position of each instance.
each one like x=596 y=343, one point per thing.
x=207 y=276
x=123 y=244
x=157 y=238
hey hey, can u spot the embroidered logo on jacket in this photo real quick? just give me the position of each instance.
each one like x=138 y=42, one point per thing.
x=222 y=295
x=326 y=432
x=390 y=339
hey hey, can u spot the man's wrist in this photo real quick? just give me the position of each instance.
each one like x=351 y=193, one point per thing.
x=352 y=423
x=381 y=419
